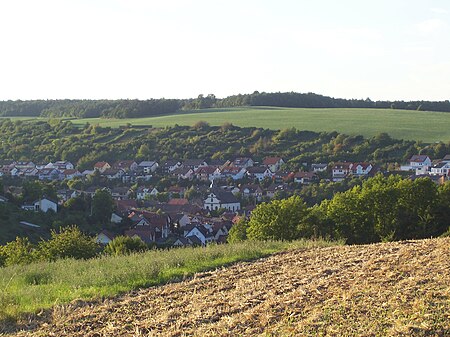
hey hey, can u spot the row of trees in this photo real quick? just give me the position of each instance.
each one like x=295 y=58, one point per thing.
x=153 y=107
x=381 y=209
x=68 y=242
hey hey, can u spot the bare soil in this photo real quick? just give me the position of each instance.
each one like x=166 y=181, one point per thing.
x=390 y=289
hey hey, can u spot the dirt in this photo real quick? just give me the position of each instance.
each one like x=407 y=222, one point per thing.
x=392 y=289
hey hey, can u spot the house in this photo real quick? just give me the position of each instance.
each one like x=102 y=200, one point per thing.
x=242 y=162
x=252 y=190
x=176 y=191
x=126 y=165
x=146 y=192
x=42 y=205
x=104 y=237
x=148 y=166
x=125 y=206
x=180 y=220
x=273 y=189
x=283 y=176
x=361 y=169
x=120 y=193
x=24 y=165
x=341 y=170
x=170 y=165
x=319 y=167
x=419 y=163
x=305 y=178
x=194 y=164
x=28 y=172
x=116 y=218
x=181 y=242
x=217 y=199
x=49 y=174
x=70 y=174
x=184 y=173
x=64 y=195
x=235 y=173
x=153 y=226
x=442 y=168
x=205 y=173
x=113 y=173
x=273 y=163
x=61 y=165
x=259 y=172
x=101 y=166
x=198 y=233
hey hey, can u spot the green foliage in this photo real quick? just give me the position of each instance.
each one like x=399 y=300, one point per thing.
x=102 y=207
x=278 y=220
x=20 y=251
x=70 y=242
x=238 y=231
x=386 y=209
x=123 y=245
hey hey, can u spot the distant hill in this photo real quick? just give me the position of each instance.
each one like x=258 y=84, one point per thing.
x=391 y=289
x=126 y=108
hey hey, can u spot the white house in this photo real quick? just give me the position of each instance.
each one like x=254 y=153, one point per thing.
x=104 y=237
x=420 y=163
x=319 y=167
x=259 y=172
x=361 y=169
x=273 y=163
x=219 y=199
x=341 y=170
x=442 y=168
x=145 y=192
x=42 y=205
x=148 y=166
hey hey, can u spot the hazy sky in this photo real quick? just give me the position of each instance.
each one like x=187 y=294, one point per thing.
x=180 y=48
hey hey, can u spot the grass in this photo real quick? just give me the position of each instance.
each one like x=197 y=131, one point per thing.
x=401 y=124
x=30 y=288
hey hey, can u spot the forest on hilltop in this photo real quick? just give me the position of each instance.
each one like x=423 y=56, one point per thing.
x=133 y=108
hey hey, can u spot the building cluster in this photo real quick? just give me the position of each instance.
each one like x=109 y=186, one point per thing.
x=219 y=186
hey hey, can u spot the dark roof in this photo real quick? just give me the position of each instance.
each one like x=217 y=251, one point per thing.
x=257 y=169
x=194 y=239
x=225 y=197
x=193 y=162
x=418 y=158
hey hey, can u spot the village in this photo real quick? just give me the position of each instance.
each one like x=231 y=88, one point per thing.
x=200 y=200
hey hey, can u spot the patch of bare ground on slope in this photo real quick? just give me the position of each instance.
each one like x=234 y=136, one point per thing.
x=391 y=289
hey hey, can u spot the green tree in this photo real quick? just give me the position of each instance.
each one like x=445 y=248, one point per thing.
x=102 y=207
x=70 y=242
x=238 y=231
x=277 y=220
x=122 y=245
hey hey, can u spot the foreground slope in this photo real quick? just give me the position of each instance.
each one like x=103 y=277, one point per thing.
x=394 y=289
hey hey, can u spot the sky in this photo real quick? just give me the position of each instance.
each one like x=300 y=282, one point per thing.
x=112 y=49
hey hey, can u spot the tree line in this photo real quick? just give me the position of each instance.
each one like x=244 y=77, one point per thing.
x=132 y=108
x=381 y=209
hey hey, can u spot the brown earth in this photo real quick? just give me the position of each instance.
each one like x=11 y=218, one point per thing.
x=393 y=289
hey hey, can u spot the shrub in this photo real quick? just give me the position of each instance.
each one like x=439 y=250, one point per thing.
x=69 y=242
x=19 y=251
x=122 y=245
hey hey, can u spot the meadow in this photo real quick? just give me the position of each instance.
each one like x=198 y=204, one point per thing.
x=30 y=288
x=426 y=126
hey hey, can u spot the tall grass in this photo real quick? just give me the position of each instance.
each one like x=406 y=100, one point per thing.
x=29 y=288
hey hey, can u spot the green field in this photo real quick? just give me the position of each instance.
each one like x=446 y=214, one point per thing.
x=401 y=124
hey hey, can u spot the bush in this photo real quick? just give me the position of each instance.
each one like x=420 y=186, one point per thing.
x=70 y=242
x=19 y=251
x=123 y=245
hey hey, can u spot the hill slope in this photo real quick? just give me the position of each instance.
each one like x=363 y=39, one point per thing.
x=394 y=289
x=401 y=124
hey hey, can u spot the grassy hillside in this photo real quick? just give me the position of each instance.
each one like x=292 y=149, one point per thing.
x=393 y=289
x=400 y=124
x=30 y=288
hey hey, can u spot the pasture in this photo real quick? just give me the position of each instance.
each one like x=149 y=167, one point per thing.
x=401 y=124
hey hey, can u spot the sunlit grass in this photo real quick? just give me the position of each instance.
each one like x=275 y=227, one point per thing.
x=29 y=288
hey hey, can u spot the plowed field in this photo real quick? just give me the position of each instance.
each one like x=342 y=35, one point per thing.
x=393 y=289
